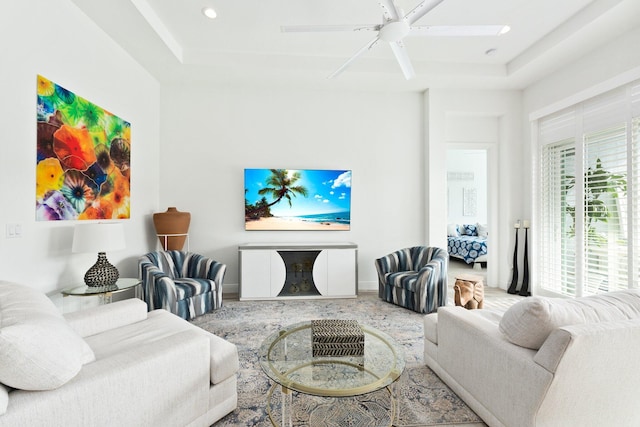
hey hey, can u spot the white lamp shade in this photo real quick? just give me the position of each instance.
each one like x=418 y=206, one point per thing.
x=98 y=237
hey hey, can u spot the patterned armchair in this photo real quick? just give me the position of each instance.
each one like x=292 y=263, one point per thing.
x=184 y=283
x=414 y=278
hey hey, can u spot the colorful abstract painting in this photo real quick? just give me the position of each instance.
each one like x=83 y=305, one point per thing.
x=83 y=158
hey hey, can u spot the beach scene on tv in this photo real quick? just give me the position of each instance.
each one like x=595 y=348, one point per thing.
x=302 y=199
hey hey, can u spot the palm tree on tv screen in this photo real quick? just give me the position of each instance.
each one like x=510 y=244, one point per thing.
x=280 y=185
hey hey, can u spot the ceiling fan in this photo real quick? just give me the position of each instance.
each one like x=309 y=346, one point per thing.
x=396 y=27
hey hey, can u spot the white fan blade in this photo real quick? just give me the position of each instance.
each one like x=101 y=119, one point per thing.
x=459 y=30
x=420 y=10
x=403 y=59
x=344 y=66
x=327 y=28
x=389 y=10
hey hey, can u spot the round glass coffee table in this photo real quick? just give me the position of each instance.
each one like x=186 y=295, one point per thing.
x=286 y=357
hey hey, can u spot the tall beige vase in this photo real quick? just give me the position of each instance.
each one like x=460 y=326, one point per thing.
x=172 y=222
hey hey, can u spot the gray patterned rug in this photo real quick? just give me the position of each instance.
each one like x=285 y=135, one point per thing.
x=423 y=400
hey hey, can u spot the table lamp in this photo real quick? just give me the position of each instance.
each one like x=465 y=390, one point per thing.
x=99 y=237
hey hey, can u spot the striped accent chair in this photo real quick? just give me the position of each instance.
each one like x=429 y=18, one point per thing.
x=414 y=278
x=185 y=283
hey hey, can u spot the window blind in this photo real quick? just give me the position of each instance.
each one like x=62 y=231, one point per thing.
x=605 y=210
x=634 y=196
x=634 y=185
x=589 y=199
x=557 y=127
x=557 y=263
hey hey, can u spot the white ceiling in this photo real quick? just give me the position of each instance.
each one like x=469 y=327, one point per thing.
x=174 y=41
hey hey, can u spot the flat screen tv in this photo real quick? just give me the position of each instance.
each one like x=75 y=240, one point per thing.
x=297 y=199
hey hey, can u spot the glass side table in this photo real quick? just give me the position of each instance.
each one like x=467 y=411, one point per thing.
x=104 y=293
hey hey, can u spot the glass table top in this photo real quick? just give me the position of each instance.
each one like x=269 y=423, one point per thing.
x=286 y=357
x=121 y=284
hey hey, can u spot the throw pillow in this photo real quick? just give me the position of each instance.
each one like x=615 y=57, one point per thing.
x=452 y=230
x=529 y=322
x=470 y=230
x=38 y=349
x=483 y=230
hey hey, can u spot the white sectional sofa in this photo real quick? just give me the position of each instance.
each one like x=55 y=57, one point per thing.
x=114 y=365
x=543 y=362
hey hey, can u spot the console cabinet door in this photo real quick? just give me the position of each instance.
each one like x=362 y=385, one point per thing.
x=255 y=279
x=341 y=272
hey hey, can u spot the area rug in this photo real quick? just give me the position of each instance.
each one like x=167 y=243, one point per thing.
x=422 y=398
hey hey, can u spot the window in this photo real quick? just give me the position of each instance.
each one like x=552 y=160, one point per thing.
x=588 y=206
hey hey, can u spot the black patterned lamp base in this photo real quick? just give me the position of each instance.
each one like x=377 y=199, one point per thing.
x=102 y=273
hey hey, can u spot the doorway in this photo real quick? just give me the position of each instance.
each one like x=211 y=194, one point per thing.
x=469 y=209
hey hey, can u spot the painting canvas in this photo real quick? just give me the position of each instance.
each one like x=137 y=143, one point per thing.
x=83 y=165
x=469 y=201
x=301 y=199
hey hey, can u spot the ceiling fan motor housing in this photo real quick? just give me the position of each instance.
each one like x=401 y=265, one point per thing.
x=394 y=31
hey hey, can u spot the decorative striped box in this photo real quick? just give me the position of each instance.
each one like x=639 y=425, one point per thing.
x=334 y=338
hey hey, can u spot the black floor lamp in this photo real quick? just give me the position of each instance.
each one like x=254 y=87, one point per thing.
x=524 y=290
x=514 y=278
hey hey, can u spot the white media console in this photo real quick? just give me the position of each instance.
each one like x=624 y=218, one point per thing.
x=298 y=270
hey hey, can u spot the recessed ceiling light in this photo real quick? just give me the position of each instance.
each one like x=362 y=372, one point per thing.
x=505 y=29
x=209 y=12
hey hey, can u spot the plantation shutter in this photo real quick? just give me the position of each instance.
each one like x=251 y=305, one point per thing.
x=634 y=187
x=605 y=211
x=557 y=127
x=589 y=199
x=557 y=252
x=557 y=262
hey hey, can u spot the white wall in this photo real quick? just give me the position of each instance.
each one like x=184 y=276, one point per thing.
x=586 y=76
x=209 y=135
x=54 y=39
x=394 y=143
x=214 y=133
x=473 y=162
x=488 y=120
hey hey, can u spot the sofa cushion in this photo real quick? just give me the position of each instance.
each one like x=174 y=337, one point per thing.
x=529 y=322
x=106 y=317
x=159 y=325
x=431 y=327
x=38 y=349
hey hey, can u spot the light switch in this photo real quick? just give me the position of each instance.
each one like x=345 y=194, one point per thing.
x=13 y=231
